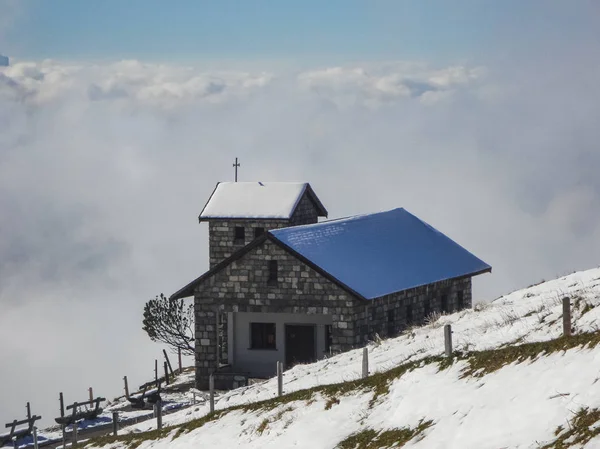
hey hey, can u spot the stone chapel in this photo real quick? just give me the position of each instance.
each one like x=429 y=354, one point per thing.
x=284 y=286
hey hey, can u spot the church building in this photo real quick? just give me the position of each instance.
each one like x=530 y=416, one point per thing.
x=283 y=286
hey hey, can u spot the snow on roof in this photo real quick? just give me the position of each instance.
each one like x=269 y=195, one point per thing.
x=381 y=253
x=274 y=200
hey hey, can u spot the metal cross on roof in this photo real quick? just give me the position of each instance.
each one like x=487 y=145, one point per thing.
x=236 y=165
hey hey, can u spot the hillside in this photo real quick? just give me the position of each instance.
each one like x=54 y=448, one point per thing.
x=513 y=383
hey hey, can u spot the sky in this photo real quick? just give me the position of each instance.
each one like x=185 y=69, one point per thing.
x=118 y=118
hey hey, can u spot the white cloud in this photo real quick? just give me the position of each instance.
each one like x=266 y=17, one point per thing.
x=388 y=83
x=104 y=169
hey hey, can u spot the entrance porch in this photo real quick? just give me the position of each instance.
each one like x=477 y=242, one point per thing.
x=255 y=342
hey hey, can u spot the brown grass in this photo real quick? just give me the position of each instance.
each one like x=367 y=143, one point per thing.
x=579 y=431
x=371 y=439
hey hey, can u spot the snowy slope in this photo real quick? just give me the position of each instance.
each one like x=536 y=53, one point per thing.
x=517 y=406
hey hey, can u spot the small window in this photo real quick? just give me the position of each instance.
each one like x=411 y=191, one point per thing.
x=240 y=234
x=391 y=328
x=445 y=307
x=258 y=232
x=426 y=309
x=272 y=272
x=460 y=300
x=390 y=316
x=409 y=314
x=262 y=336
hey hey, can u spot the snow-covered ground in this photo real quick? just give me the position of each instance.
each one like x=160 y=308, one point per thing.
x=518 y=406
x=529 y=315
x=172 y=398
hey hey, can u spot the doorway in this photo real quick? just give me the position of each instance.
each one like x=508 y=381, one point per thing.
x=299 y=344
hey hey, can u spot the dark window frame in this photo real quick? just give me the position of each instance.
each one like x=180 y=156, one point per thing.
x=258 y=232
x=426 y=309
x=239 y=234
x=263 y=336
x=273 y=270
x=409 y=314
x=391 y=322
x=445 y=303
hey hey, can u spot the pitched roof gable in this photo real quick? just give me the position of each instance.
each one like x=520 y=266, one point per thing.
x=382 y=253
x=368 y=255
x=258 y=200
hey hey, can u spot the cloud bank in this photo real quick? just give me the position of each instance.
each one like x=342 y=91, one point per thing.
x=105 y=167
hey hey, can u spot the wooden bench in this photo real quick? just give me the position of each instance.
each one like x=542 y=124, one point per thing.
x=78 y=413
x=150 y=394
x=19 y=433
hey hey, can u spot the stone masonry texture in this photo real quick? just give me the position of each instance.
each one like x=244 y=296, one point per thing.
x=221 y=233
x=242 y=287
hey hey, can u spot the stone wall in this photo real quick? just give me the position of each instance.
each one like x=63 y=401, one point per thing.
x=243 y=287
x=305 y=213
x=391 y=314
x=221 y=236
x=221 y=233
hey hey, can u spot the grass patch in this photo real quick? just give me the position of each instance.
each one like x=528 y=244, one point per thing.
x=378 y=383
x=133 y=440
x=331 y=402
x=478 y=365
x=586 y=308
x=262 y=426
x=265 y=422
x=195 y=424
x=371 y=439
x=580 y=430
x=485 y=362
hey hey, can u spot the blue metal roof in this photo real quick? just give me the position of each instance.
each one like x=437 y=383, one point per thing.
x=381 y=253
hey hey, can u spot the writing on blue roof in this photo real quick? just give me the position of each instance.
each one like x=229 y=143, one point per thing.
x=382 y=253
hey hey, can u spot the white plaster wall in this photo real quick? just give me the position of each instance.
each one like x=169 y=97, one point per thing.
x=263 y=362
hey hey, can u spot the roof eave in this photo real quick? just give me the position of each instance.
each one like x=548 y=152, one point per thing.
x=455 y=278
x=200 y=219
x=322 y=211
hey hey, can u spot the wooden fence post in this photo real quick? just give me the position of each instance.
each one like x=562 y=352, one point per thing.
x=179 y=357
x=365 y=363
x=168 y=363
x=115 y=419
x=74 y=437
x=62 y=404
x=91 y=390
x=35 y=438
x=155 y=370
x=158 y=413
x=64 y=437
x=126 y=387
x=566 y=316
x=211 y=388
x=28 y=411
x=166 y=372
x=279 y=379
x=448 y=340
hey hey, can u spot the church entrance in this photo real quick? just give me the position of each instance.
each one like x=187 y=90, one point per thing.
x=299 y=344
